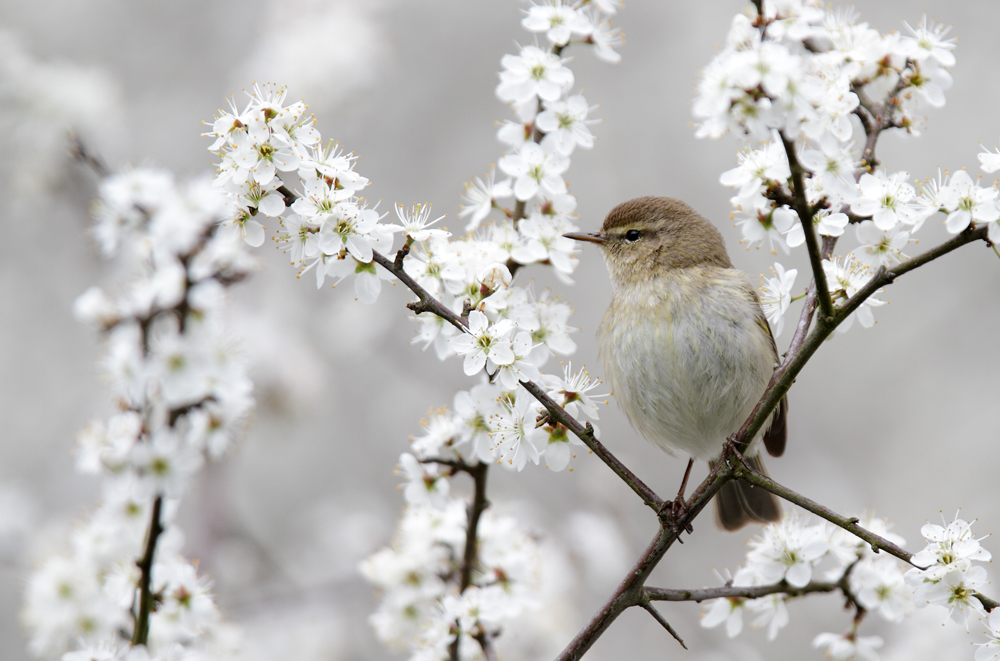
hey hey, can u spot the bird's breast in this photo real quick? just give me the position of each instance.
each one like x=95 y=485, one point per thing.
x=687 y=358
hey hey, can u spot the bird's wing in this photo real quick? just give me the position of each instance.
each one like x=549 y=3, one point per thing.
x=777 y=433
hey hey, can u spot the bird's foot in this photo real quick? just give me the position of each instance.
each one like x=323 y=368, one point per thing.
x=670 y=514
x=729 y=449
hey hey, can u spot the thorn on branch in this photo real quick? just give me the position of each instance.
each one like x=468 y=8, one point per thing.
x=659 y=618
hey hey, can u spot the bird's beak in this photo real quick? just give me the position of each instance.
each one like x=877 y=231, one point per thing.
x=592 y=237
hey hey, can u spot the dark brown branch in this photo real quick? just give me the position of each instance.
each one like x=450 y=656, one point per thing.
x=586 y=434
x=631 y=592
x=805 y=214
x=732 y=592
x=426 y=302
x=518 y=211
x=476 y=509
x=786 y=373
x=458 y=465
x=470 y=559
x=850 y=524
x=875 y=118
x=141 y=633
x=988 y=604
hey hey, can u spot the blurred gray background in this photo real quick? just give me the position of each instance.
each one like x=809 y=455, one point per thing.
x=902 y=418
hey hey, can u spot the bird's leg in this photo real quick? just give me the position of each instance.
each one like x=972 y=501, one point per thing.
x=679 y=507
x=684 y=482
x=672 y=510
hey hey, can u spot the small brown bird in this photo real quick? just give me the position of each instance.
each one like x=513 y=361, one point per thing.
x=686 y=346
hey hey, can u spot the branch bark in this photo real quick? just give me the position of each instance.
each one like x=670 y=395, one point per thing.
x=478 y=471
x=733 y=592
x=805 y=214
x=850 y=524
x=140 y=634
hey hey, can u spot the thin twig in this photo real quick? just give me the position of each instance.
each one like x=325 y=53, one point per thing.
x=850 y=524
x=141 y=633
x=80 y=152
x=734 y=592
x=988 y=604
x=586 y=434
x=458 y=465
x=805 y=214
x=787 y=372
x=426 y=302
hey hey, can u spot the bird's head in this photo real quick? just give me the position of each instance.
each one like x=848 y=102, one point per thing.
x=648 y=236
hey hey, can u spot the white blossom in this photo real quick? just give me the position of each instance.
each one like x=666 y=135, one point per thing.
x=534 y=171
x=787 y=550
x=516 y=439
x=565 y=124
x=844 y=279
x=415 y=223
x=559 y=22
x=532 y=74
x=880 y=247
x=480 y=196
x=776 y=296
x=886 y=198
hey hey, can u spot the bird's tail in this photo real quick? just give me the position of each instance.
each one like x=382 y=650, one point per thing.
x=739 y=503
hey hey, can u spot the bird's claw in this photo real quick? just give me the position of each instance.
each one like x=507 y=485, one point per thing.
x=729 y=449
x=670 y=514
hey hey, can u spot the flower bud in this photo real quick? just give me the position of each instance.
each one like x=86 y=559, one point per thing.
x=494 y=276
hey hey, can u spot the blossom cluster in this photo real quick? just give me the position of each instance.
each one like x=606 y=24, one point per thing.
x=419 y=574
x=819 y=81
x=272 y=165
x=182 y=398
x=795 y=553
x=511 y=331
x=491 y=424
x=945 y=575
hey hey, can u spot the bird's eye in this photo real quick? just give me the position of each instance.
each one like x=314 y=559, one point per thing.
x=632 y=236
